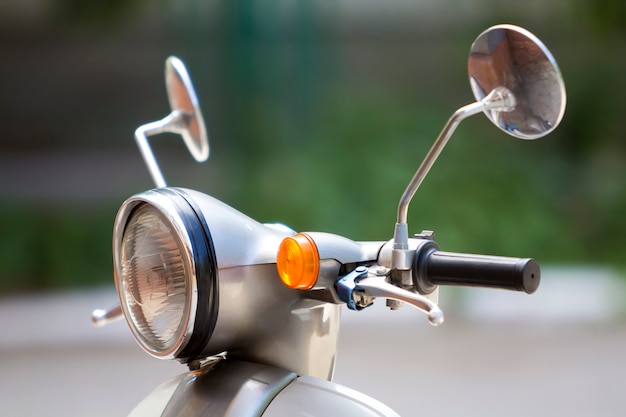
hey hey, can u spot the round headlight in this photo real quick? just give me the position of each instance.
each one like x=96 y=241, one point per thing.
x=154 y=281
x=165 y=274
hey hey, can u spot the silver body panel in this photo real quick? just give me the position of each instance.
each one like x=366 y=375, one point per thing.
x=245 y=389
x=311 y=397
x=259 y=319
x=239 y=240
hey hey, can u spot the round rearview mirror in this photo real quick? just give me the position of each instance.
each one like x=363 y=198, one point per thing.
x=184 y=104
x=511 y=57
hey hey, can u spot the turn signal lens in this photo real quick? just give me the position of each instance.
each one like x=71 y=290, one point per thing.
x=298 y=261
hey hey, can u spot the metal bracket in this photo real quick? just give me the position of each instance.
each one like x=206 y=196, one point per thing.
x=348 y=284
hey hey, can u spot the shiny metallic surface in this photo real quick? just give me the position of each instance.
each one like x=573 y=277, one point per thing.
x=102 y=317
x=375 y=286
x=335 y=251
x=258 y=318
x=310 y=397
x=183 y=100
x=497 y=100
x=511 y=57
x=261 y=320
x=154 y=404
x=185 y=119
x=324 y=288
x=386 y=256
x=239 y=240
x=230 y=389
x=344 y=250
x=168 y=209
x=517 y=84
x=237 y=388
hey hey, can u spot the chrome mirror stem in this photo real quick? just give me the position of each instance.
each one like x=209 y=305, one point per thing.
x=172 y=123
x=500 y=99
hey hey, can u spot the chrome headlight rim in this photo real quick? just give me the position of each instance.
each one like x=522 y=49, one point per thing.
x=194 y=239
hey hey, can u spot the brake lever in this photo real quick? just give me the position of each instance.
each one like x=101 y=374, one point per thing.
x=358 y=289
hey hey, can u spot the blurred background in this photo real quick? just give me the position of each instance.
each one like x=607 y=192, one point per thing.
x=319 y=113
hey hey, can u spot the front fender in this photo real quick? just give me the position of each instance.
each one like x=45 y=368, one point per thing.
x=312 y=397
x=157 y=400
x=245 y=389
x=230 y=388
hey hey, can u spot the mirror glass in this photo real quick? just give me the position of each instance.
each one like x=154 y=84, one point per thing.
x=511 y=57
x=184 y=104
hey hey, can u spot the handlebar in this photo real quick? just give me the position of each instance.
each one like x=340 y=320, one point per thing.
x=432 y=267
x=447 y=268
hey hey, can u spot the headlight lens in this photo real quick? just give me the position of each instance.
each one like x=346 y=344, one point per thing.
x=166 y=273
x=155 y=288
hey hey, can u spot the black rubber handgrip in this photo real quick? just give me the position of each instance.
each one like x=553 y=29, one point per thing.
x=447 y=268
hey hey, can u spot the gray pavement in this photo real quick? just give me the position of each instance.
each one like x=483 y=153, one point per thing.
x=561 y=351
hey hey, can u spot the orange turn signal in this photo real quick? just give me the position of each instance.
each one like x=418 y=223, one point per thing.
x=298 y=261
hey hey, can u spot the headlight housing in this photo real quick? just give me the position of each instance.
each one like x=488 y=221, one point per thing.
x=166 y=273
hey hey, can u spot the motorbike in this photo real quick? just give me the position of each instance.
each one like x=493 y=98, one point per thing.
x=252 y=309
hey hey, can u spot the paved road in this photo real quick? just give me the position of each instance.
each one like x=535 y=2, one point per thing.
x=540 y=362
x=492 y=369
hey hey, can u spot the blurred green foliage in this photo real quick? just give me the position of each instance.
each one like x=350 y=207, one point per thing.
x=43 y=249
x=321 y=127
